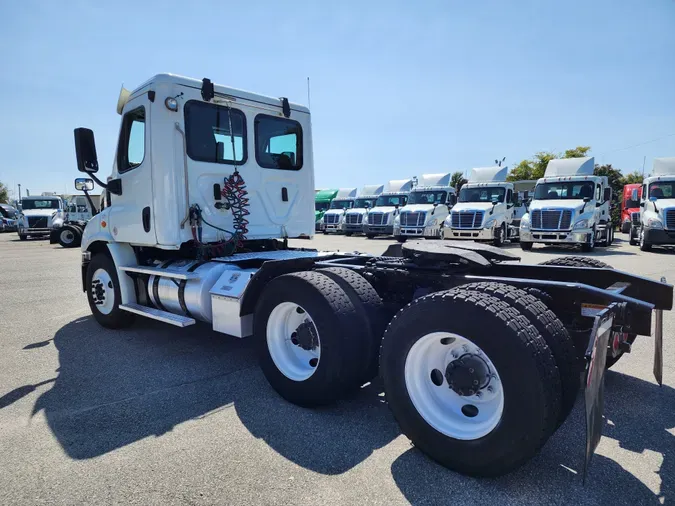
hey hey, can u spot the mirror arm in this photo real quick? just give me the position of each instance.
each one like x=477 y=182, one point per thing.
x=115 y=189
x=94 y=211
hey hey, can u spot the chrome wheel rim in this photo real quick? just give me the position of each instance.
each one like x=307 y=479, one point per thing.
x=103 y=291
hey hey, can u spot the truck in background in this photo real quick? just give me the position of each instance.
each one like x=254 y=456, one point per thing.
x=334 y=218
x=657 y=215
x=630 y=206
x=429 y=203
x=364 y=201
x=322 y=200
x=570 y=206
x=487 y=208
x=40 y=215
x=79 y=210
x=380 y=219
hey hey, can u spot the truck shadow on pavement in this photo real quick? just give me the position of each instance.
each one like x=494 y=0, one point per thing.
x=638 y=416
x=117 y=387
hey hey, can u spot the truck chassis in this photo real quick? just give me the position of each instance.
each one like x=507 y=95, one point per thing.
x=479 y=398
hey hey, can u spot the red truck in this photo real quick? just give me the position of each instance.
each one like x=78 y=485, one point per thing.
x=630 y=204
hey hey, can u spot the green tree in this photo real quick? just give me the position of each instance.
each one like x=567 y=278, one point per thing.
x=457 y=180
x=4 y=193
x=616 y=182
x=633 y=178
x=535 y=167
x=578 y=152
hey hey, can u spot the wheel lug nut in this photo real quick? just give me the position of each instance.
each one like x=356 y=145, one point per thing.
x=314 y=362
x=475 y=382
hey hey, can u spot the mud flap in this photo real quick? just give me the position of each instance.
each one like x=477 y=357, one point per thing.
x=594 y=394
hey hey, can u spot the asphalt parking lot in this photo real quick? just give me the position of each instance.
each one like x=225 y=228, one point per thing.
x=159 y=415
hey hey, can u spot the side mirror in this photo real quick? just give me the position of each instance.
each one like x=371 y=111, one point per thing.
x=642 y=204
x=634 y=195
x=395 y=206
x=653 y=199
x=84 y=184
x=85 y=150
x=608 y=194
x=587 y=199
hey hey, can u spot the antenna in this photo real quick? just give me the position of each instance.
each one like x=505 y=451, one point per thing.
x=309 y=103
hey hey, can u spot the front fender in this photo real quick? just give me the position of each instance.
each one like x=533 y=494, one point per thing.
x=97 y=229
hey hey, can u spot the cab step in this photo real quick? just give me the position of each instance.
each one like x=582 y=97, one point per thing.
x=158 y=314
x=165 y=273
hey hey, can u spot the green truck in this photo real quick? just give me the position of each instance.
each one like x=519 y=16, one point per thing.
x=322 y=200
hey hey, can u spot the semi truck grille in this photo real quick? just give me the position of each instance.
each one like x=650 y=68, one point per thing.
x=552 y=219
x=375 y=218
x=37 y=222
x=635 y=218
x=670 y=218
x=466 y=219
x=413 y=219
x=331 y=219
x=354 y=219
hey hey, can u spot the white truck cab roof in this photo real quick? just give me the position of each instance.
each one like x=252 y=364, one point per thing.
x=663 y=167
x=496 y=174
x=431 y=181
x=570 y=167
x=397 y=186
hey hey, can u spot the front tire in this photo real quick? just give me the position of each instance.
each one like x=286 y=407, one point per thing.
x=644 y=244
x=625 y=227
x=590 y=245
x=69 y=237
x=401 y=238
x=433 y=354
x=499 y=236
x=103 y=293
x=23 y=237
x=526 y=246
x=312 y=341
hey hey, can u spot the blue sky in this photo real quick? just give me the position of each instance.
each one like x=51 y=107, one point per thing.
x=398 y=88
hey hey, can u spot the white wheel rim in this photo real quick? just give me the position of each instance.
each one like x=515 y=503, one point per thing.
x=441 y=406
x=67 y=236
x=103 y=291
x=293 y=341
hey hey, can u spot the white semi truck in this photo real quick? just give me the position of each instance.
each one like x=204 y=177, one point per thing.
x=79 y=210
x=40 y=216
x=657 y=213
x=334 y=218
x=570 y=206
x=364 y=201
x=209 y=184
x=487 y=208
x=380 y=219
x=429 y=203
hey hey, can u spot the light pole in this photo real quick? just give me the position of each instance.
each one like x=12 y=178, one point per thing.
x=19 y=192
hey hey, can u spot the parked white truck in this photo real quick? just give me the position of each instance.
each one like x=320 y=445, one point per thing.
x=208 y=185
x=487 y=208
x=380 y=219
x=40 y=216
x=570 y=206
x=364 y=201
x=79 y=210
x=334 y=218
x=429 y=203
x=657 y=206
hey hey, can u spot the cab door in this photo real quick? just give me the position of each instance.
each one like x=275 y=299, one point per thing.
x=131 y=217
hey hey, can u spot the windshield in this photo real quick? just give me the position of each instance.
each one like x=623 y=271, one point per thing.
x=391 y=200
x=362 y=203
x=428 y=197
x=484 y=194
x=630 y=204
x=662 y=189
x=39 y=204
x=564 y=190
x=321 y=206
x=341 y=204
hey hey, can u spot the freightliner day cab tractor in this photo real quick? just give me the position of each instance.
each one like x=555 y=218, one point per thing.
x=322 y=200
x=334 y=219
x=657 y=217
x=486 y=208
x=380 y=219
x=630 y=206
x=480 y=356
x=40 y=216
x=428 y=205
x=364 y=201
x=570 y=206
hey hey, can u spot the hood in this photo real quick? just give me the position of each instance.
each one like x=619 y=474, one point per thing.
x=665 y=204
x=39 y=212
x=384 y=209
x=335 y=211
x=357 y=210
x=472 y=206
x=416 y=208
x=573 y=204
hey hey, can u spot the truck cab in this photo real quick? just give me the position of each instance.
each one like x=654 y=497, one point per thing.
x=380 y=219
x=570 y=206
x=364 y=201
x=40 y=215
x=334 y=218
x=485 y=209
x=322 y=200
x=630 y=206
x=657 y=204
x=429 y=203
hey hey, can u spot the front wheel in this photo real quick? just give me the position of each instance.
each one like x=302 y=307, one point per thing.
x=590 y=245
x=349 y=234
x=633 y=236
x=499 y=237
x=479 y=399
x=625 y=227
x=69 y=237
x=370 y=236
x=526 y=246
x=400 y=238
x=23 y=237
x=645 y=245
x=104 y=295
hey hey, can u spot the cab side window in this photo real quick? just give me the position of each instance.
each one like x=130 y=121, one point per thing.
x=131 y=149
x=509 y=197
